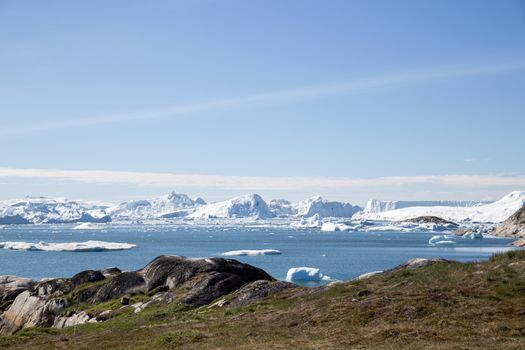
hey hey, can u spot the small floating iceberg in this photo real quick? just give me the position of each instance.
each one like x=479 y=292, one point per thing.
x=252 y=252
x=88 y=246
x=473 y=235
x=333 y=227
x=441 y=240
x=87 y=226
x=306 y=274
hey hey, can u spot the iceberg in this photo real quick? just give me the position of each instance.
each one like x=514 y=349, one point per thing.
x=252 y=252
x=378 y=206
x=306 y=274
x=88 y=246
x=170 y=205
x=42 y=210
x=441 y=240
x=247 y=206
x=488 y=213
x=323 y=208
x=333 y=227
x=87 y=226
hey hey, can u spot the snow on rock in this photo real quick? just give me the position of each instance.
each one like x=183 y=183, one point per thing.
x=247 y=206
x=378 y=206
x=88 y=246
x=306 y=274
x=323 y=208
x=170 y=205
x=42 y=210
x=252 y=252
x=488 y=213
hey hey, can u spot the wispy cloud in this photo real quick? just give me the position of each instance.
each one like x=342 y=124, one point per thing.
x=288 y=95
x=255 y=183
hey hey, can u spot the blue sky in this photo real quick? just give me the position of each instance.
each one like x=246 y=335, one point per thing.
x=279 y=90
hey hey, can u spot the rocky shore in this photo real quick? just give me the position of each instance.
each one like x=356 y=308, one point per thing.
x=96 y=296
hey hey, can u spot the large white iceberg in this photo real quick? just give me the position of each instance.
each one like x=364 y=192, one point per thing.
x=306 y=274
x=170 y=205
x=323 y=208
x=488 y=213
x=252 y=252
x=247 y=206
x=333 y=227
x=42 y=210
x=88 y=246
x=378 y=206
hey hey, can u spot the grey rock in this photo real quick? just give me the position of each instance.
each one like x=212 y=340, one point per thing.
x=11 y=287
x=120 y=285
x=513 y=227
x=88 y=276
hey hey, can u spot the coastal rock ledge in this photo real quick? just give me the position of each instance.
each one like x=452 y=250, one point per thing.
x=64 y=302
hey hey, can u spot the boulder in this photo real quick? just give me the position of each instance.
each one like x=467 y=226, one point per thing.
x=111 y=272
x=519 y=242
x=11 y=287
x=30 y=311
x=118 y=286
x=420 y=262
x=88 y=276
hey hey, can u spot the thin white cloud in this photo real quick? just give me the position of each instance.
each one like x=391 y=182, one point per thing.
x=254 y=183
x=288 y=95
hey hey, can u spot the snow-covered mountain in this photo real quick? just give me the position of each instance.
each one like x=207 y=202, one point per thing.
x=247 y=206
x=168 y=206
x=40 y=210
x=489 y=213
x=378 y=206
x=323 y=208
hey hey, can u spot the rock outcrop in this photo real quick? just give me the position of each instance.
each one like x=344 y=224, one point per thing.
x=431 y=220
x=11 y=287
x=513 y=227
x=194 y=282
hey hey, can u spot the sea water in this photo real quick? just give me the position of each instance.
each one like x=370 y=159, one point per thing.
x=340 y=255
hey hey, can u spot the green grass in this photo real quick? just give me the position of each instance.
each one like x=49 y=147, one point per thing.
x=442 y=306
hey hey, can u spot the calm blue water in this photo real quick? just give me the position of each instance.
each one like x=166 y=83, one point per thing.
x=340 y=255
